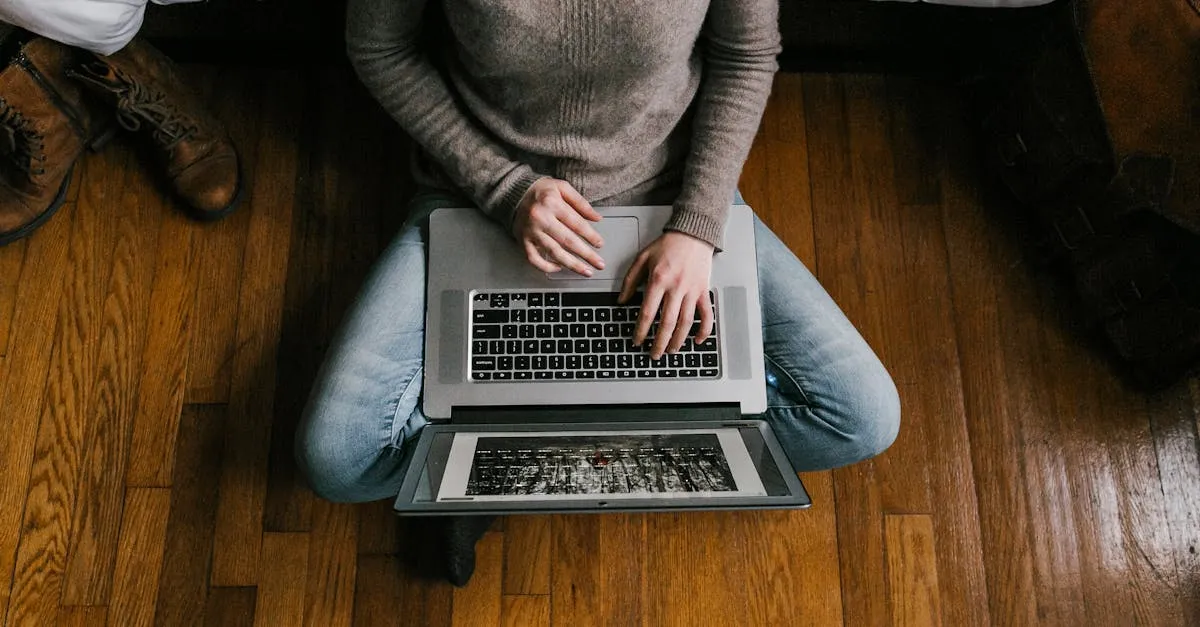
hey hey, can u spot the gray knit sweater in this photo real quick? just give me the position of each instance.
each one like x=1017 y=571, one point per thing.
x=621 y=98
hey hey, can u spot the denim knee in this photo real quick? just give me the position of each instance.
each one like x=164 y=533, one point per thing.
x=872 y=420
x=340 y=467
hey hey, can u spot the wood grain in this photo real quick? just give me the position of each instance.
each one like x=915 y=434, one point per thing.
x=527 y=541
x=478 y=603
x=220 y=248
x=379 y=593
x=57 y=462
x=912 y=570
x=333 y=545
x=97 y=517
x=379 y=533
x=525 y=611
x=163 y=369
x=140 y=556
x=183 y=588
x=12 y=259
x=82 y=616
x=230 y=607
x=1173 y=417
x=284 y=579
x=857 y=489
x=25 y=375
x=248 y=436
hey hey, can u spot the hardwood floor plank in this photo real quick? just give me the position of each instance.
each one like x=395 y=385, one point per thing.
x=140 y=556
x=379 y=593
x=97 y=517
x=478 y=603
x=331 y=565
x=979 y=265
x=220 y=247
x=379 y=533
x=912 y=570
x=230 y=607
x=1173 y=417
x=600 y=569
x=284 y=580
x=856 y=489
x=525 y=611
x=12 y=260
x=57 y=463
x=527 y=542
x=248 y=436
x=183 y=587
x=792 y=562
x=81 y=616
x=163 y=369
x=25 y=377
x=916 y=131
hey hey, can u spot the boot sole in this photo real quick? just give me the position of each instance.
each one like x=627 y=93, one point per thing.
x=43 y=217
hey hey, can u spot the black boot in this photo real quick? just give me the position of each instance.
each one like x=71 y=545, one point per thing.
x=461 y=535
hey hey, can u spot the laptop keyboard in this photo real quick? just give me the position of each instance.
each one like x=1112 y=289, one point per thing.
x=573 y=336
x=589 y=470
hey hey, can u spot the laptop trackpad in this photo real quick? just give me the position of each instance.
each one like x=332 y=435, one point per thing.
x=621 y=245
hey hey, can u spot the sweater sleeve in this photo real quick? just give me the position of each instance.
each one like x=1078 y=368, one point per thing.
x=382 y=41
x=740 y=43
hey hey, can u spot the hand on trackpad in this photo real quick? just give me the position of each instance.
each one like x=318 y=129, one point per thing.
x=621 y=245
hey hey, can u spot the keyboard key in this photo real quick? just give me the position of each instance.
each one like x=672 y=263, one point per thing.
x=481 y=297
x=599 y=346
x=509 y=331
x=525 y=331
x=612 y=329
x=535 y=300
x=591 y=362
x=587 y=315
x=535 y=315
x=569 y=315
x=565 y=347
x=512 y=347
x=521 y=362
x=518 y=298
x=496 y=347
x=501 y=376
x=479 y=347
x=667 y=374
x=627 y=329
x=661 y=362
x=561 y=375
x=522 y=376
x=551 y=315
x=489 y=316
x=647 y=374
x=547 y=347
x=517 y=315
x=530 y=347
x=582 y=346
x=539 y=362
x=709 y=345
x=483 y=363
x=589 y=299
x=505 y=363
x=608 y=362
x=574 y=362
x=499 y=301
x=551 y=299
x=708 y=373
x=689 y=373
x=543 y=330
x=619 y=314
x=485 y=331
x=542 y=376
x=603 y=315
x=625 y=361
x=675 y=360
x=626 y=374
x=692 y=360
x=616 y=346
x=481 y=376
x=709 y=360
x=579 y=330
x=641 y=361
x=585 y=374
x=558 y=362
x=595 y=330
x=606 y=374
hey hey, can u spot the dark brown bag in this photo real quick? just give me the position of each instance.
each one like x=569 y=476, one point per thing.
x=1099 y=139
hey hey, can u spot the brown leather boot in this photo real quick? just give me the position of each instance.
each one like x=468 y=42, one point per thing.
x=45 y=124
x=198 y=157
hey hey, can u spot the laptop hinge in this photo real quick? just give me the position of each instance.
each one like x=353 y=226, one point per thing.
x=560 y=414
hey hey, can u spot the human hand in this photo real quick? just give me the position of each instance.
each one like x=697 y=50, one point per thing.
x=552 y=224
x=676 y=269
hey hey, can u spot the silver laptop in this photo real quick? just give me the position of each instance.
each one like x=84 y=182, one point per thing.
x=539 y=401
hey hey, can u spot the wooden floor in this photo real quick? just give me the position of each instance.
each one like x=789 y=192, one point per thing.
x=151 y=372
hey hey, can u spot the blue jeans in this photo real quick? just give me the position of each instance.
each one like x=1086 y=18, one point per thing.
x=830 y=400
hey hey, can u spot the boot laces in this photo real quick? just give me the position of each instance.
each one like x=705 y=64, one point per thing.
x=140 y=105
x=27 y=151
